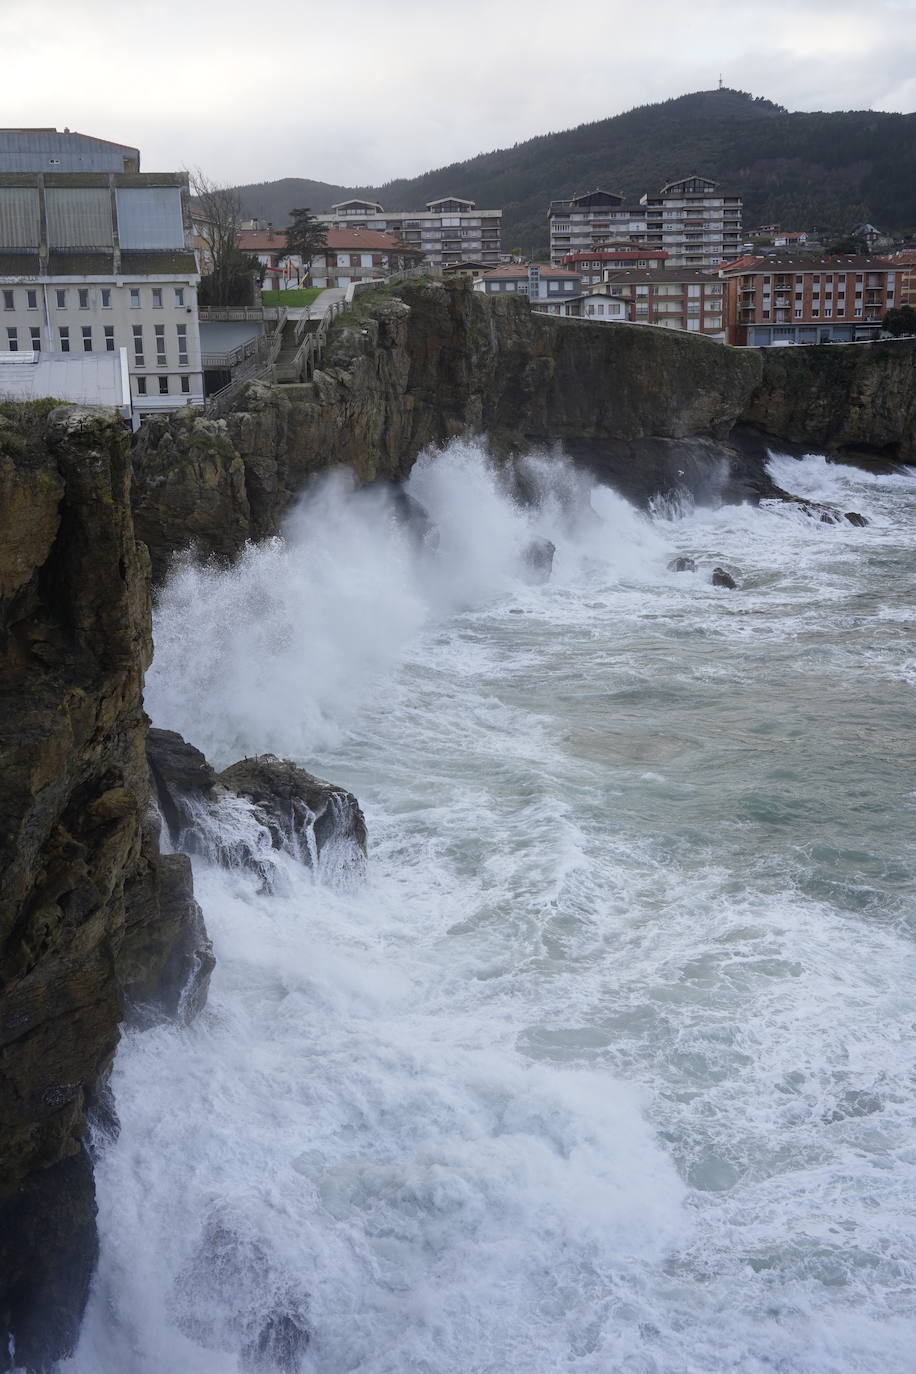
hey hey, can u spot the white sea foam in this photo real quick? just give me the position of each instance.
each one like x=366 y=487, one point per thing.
x=607 y=1065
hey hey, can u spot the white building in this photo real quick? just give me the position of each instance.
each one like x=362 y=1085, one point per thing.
x=95 y=379
x=92 y=262
x=549 y=289
x=450 y=230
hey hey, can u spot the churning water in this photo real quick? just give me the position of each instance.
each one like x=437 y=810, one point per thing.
x=607 y=1066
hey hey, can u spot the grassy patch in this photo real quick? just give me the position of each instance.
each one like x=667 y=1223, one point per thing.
x=300 y=296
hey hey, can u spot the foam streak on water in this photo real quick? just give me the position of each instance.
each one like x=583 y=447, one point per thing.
x=607 y=1066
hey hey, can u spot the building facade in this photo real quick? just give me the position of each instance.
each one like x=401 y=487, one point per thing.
x=550 y=289
x=692 y=221
x=696 y=223
x=94 y=262
x=47 y=150
x=804 y=300
x=671 y=298
x=592 y=266
x=448 y=231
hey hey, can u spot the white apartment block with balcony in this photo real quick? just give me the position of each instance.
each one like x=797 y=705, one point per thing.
x=696 y=223
x=93 y=262
x=691 y=220
x=448 y=231
x=590 y=222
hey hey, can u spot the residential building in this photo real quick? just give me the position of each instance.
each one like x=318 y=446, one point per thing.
x=696 y=223
x=904 y=264
x=592 y=221
x=790 y=240
x=47 y=150
x=550 y=289
x=692 y=221
x=358 y=254
x=672 y=298
x=604 y=309
x=91 y=262
x=450 y=230
x=592 y=266
x=804 y=300
x=282 y=270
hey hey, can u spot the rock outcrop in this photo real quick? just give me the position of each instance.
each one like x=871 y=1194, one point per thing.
x=425 y=365
x=290 y=810
x=91 y=915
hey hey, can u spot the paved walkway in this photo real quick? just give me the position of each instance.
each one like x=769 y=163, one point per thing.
x=321 y=304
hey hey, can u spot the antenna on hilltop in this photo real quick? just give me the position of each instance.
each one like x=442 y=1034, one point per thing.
x=720 y=81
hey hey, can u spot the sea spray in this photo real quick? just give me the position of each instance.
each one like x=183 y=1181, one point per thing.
x=606 y=1066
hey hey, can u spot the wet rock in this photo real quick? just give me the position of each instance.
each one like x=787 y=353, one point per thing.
x=721 y=578
x=292 y=803
x=537 y=559
x=410 y=513
x=180 y=775
x=682 y=564
x=855 y=518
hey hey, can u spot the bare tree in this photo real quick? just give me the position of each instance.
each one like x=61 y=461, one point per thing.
x=217 y=219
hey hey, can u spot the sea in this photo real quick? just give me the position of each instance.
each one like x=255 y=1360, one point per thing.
x=604 y=1062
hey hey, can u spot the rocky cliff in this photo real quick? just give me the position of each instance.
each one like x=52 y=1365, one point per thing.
x=93 y=919
x=642 y=407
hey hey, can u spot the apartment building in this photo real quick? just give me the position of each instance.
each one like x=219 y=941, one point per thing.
x=550 y=289
x=97 y=261
x=450 y=230
x=591 y=221
x=904 y=264
x=805 y=300
x=592 y=266
x=671 y=298
x=692 y=221
x=696 y=223
x=47 y=150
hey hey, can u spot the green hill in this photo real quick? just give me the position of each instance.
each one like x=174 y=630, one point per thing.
x=825 y=172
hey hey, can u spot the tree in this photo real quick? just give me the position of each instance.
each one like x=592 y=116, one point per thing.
x=305 y=236
x=900 y=321
x=228 y=272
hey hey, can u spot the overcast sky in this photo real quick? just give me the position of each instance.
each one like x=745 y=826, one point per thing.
x=358 y=92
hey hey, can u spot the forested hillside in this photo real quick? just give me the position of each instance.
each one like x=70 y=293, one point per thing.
x=824 y=171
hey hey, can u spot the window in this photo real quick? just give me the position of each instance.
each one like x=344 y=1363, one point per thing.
x=31 y=300
x=160 y=345
x=87 y=338
x=816 y=314
x=183 y=345
x=61 y=299
x=858 y=312
x=35 y=337
x=141 y=386
x=138 y=345
x=135 y=298
x=163 y=386
x=186 y=385
x=828 y=312
x=9 y=300
x=83 y=294
x=157 y=297
x=798 y=313
x=105 y=295
x=12 y=338
x=64 y=332
x=179 y=295
x=109 y=338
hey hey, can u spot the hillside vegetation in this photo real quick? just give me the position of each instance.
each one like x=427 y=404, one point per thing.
x=825 y=172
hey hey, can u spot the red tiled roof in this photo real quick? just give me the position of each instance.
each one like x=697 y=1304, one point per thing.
x=368 y=240
x=263 y=241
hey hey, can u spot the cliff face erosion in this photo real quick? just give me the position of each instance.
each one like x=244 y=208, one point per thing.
x=96 y=923
x=93 y=919
x=431 y=362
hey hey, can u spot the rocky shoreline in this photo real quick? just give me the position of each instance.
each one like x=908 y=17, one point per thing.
x=97 y=923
